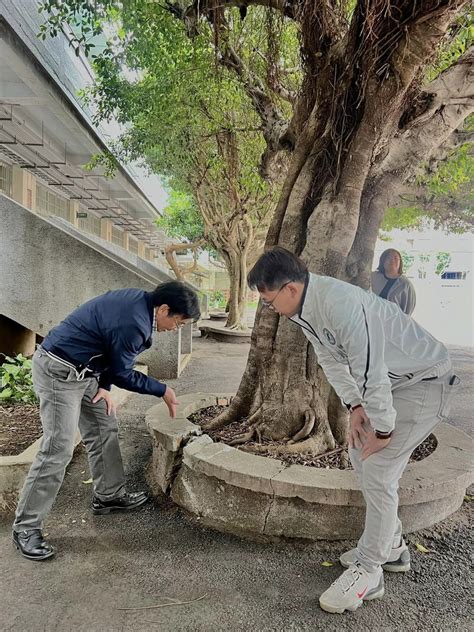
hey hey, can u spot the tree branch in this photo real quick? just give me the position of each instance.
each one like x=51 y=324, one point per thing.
x=274 y=125
x=276 y=86
x=436 y=127
x=192 y=14
x=170 y=256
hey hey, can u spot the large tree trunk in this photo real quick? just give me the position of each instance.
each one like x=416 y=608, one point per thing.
x=234 y=248
x=349 y=158
x=237 y=305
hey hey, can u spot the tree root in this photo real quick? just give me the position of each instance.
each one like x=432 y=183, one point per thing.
x=227 y=417
x=312 y=445
x=243 y=438
x=238 y=327
x=309 y=421
x=345 y=457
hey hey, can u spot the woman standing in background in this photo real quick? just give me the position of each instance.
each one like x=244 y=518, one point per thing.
x=389 y=282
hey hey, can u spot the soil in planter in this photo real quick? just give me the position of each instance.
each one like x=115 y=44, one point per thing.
x=336 y=459
x=20 y=426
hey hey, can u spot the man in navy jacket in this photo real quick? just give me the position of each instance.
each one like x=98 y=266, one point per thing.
x=73 y=370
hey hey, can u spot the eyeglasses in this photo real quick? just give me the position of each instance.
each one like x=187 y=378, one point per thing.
x=179 y=324
x=269 y=304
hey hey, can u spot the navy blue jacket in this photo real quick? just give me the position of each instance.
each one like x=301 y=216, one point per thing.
x=106 y=334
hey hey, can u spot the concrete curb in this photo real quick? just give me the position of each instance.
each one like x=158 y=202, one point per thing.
x=246 y=494
x=13 y=469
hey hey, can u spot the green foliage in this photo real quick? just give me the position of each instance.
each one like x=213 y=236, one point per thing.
x=16 y=384
x=443 y=259
x=446 y=195
x=181 y=219
x=456 y=42
x=217 y=299
x=188 y=118
x=407 y=260
x=106 y=160
x=179 y=104
x=453 y=174
x=85 y=18
x=403 y=217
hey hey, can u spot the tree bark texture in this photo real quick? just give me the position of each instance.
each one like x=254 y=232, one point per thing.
x=358 y=136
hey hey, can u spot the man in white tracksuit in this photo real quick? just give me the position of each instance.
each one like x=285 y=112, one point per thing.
x=395 y=379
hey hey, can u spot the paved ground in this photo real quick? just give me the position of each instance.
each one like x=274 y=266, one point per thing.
x=105 y=563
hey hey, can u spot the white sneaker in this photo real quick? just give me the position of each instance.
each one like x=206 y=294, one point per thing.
x=352 y=588
x=398 y=561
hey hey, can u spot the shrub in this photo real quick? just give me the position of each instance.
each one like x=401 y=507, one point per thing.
x=16 y=383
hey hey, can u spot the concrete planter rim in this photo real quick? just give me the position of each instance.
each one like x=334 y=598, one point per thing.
x=423 y=481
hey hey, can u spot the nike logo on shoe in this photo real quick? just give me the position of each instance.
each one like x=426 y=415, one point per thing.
x=361 y=594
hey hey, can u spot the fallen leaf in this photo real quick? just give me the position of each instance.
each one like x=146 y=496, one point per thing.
x=468 y=498
x=422 y=549
x=327 y=564
x=88 y=482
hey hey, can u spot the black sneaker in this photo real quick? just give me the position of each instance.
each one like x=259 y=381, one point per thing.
x=32 y=545
x=127 y=502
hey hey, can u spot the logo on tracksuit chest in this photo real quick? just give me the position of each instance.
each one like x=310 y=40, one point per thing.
x=329 y=336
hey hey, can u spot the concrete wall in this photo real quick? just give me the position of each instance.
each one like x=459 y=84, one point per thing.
x=145 y=269
x=46 y=272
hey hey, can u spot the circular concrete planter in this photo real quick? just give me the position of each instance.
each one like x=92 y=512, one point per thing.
x=218 y=315
x=245 y=494
x=225 y=335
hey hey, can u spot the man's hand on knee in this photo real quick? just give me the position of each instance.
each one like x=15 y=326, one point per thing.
x=357 y=432
x=102 y=393
x=373 y=444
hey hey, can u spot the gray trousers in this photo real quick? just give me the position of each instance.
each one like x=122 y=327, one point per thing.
x=65 y=405
x=420 y=408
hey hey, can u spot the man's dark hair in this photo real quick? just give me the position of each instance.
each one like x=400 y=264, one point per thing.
x=384 y=255
x=180 y=298
x=274 y=268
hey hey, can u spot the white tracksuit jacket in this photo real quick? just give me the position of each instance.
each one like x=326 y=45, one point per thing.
x=367 y=346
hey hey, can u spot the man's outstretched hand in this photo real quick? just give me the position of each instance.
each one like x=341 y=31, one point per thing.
x=170 y=400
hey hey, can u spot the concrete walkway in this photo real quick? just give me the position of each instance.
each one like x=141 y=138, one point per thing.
x=105 y=563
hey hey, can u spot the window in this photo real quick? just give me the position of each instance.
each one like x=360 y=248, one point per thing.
x=133 y=245
x=117 y=236
x=49 y=203
x=89 y=224
x=84 y=224
x=95 y=225
x=453 y=275
x=5 y=179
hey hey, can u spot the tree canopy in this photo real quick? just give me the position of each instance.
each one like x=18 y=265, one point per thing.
x=176 y=86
